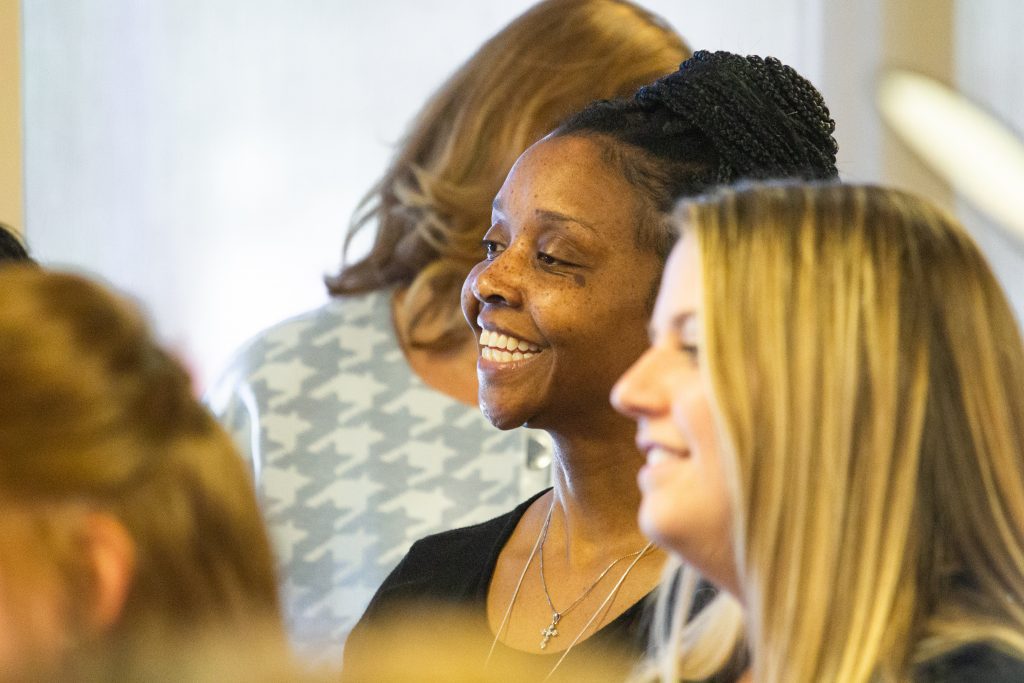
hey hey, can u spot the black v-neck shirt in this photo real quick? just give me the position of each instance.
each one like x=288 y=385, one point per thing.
x=979 y=661
x=455 y=568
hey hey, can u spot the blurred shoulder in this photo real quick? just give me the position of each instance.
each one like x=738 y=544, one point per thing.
x=459 y=554
x=470 y=542
x=364 y=313
x=328 y=330
x=973 y=662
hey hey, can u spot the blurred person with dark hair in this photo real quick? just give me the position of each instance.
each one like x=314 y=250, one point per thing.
x=11 y=248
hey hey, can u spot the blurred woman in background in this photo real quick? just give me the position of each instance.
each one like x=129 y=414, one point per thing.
x=832 y=410
x=128 y=522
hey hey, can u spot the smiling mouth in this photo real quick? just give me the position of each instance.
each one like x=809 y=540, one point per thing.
x=503 y=348
x=658 y=454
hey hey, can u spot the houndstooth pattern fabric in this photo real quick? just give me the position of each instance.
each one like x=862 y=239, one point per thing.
x=355 y=458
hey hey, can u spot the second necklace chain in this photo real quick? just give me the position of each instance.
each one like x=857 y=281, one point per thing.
x=552 y=629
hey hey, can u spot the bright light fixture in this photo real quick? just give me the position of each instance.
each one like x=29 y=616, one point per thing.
x=980 y=157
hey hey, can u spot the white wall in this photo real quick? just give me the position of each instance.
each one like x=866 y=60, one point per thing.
x=205 y=155
x=990 y=70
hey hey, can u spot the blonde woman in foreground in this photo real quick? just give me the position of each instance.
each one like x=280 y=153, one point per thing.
x=836 y=384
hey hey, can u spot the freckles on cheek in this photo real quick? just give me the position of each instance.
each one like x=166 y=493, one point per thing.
x=579 y=280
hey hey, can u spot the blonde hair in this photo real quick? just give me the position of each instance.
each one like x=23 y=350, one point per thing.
x=433 y=204
x=872 y=413
x=95 y=416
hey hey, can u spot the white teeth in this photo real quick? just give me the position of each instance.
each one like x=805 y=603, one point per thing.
x=497 y=346
x=656 y=455
x=490 y=353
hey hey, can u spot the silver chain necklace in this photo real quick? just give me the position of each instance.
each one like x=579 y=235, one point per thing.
x=519 y=584
x=552 y=630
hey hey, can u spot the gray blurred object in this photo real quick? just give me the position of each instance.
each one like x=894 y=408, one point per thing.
x=980 y=157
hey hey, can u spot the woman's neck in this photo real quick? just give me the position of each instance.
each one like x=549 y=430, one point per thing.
x=585 y=564
x=595 y=493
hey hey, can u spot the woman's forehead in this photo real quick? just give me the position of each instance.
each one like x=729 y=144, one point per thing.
x=568 y=176
x=680 y=290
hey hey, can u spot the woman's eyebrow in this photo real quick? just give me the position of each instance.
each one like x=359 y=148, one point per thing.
x=680 y=320
x=496 y=207
x=545 y=215
x=675 y=323
x=549 y=215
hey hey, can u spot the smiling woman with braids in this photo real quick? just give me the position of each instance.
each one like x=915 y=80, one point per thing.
x=560 y=305
x=360 y=417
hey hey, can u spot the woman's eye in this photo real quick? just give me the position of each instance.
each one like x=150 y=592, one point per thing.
x=691 y=350
x=549 y=260
x=491 y=249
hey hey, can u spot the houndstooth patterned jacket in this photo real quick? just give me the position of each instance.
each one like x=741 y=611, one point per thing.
x=354 y=458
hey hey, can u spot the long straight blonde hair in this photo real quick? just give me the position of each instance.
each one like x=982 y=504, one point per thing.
x=868 y=377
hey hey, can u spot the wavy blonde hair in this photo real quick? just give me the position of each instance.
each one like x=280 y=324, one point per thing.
x=95 y=416
x=872 y=413
x=433 y=205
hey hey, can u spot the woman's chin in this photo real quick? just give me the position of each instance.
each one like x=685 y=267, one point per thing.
x=658 y=524
x=502 y=419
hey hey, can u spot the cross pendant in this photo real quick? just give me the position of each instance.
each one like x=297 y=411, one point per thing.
x=550 y=632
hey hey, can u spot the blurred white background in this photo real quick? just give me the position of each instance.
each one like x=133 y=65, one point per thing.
x=205 y=155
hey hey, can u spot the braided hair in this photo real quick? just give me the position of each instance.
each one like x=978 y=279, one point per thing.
x=720 y=118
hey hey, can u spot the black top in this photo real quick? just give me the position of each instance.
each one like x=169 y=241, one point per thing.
x=455 y=568
x=973 y=662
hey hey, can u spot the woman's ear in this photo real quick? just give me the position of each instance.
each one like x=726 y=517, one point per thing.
x=111 y=556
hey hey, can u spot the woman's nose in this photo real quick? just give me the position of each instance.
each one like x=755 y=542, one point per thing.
x=498 y=281
x=638 y=393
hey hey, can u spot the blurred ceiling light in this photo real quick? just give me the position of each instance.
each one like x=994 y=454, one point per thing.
x=980 y=157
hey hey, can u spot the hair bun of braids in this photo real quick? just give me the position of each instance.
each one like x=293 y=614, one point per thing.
x=763 y=118
x=719 y=118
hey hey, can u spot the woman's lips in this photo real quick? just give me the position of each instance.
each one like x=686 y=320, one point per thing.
x=657 y=454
